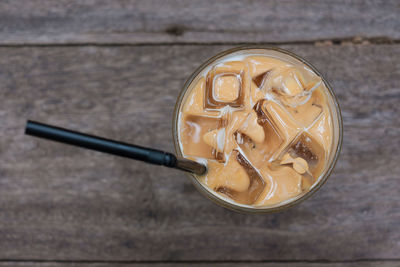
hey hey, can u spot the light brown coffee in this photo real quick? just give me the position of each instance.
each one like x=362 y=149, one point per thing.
x=262 y=124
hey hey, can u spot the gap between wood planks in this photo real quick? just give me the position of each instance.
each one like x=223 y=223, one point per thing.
x=320 y=261
x=356 y=40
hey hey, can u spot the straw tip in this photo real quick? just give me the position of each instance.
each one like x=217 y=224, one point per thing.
x=191 y=166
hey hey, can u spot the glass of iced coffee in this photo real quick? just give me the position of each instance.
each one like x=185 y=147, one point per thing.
x=266 y=124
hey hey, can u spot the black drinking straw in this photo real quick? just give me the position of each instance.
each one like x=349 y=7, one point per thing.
x=92 y=142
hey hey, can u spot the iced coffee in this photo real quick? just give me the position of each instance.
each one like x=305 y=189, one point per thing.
x=263 y=123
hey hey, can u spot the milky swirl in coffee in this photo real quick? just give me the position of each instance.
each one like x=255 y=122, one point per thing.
x=261 y=123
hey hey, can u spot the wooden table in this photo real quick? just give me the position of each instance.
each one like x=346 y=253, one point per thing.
x=114 y=68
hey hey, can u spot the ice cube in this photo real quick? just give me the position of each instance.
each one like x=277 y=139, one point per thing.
x=321 y=130
x=256 y=94
x=215 y=139
x=259 y=80
x=227 y=85
x=297 y=167
x=195 y=100
x=307 y=113
x=271 y=113
x=231 y=177
x=258 y=138
x=226 y=88
x=286 y=184
x=305 y=156
x=260 y=68
x=252 y=129
x=193 y=130
x=260 y=64
x=308 y=154
x=292 y=87
x=256 y=183
x=235 y=120
x=307 y=181
x=287 y=83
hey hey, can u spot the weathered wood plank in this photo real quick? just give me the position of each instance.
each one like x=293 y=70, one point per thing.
x=189 y=21
x=240 y=264
x=61 y=203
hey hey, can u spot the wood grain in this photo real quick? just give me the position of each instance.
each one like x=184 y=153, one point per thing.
x=63 y=203
x=192 y=264
x=190 y=21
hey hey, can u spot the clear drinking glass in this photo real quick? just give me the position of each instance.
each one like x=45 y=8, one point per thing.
x=336 y=120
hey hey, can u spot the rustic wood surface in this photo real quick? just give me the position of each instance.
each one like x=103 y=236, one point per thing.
x=205 y=21
x=59 y=202
x=194 y=264
x=63 y=63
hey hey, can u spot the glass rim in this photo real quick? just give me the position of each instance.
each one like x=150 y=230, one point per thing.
x=237 y=207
